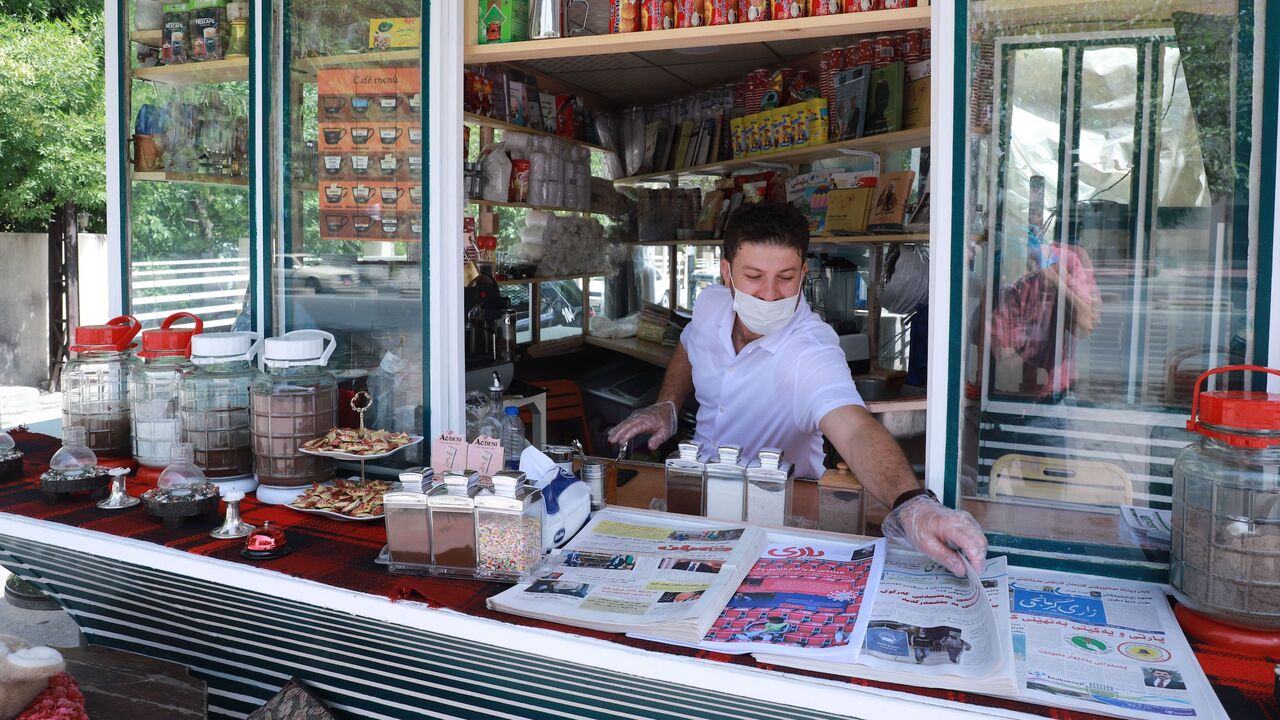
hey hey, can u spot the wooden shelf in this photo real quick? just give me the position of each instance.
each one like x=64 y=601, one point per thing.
x=880 y=21
x=839 y=239
x=524 y=206
x=650 y=352
x=916 y=137
x=911 y=402
x=151 y=38
x=669 y=243
x=192 y=73
x=309 y=65
x=549 y=278
x=242 y=181
x=504 y=126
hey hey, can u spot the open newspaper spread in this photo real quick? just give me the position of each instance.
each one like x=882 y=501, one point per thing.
x=1108 y=646
x=805 y=596
x=929 y=628
x=664 y=576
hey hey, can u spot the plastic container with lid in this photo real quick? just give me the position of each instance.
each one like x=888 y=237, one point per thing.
x=453 y=524
x=686 y=480
x=153 y=389
x=508 y=529
x=214 y=407
x=294 y=399
x=95 y=384
x=726 y=485
x=408 y=528
x=1225 y=555
x=769 y=487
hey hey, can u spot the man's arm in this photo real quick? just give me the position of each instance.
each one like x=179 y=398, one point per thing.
x=659 y=419
x=877 y=461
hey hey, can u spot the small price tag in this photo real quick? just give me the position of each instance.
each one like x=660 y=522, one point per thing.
x=449 y=452
x=485 y=456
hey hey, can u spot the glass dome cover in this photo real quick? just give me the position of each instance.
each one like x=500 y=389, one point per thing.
x=8 y=447
x=74 y=457
x=182 y=475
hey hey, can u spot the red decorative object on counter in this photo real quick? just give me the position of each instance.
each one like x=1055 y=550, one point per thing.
x=62 y=700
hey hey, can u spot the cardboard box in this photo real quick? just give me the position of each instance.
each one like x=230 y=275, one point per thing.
x=736 y=129
x=394 y=33
x=780 y=124
x=764 y=125
x=503 y=21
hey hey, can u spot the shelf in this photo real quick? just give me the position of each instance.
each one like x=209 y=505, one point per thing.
x=650 y=352
x=880 y=21
x=902 y=404
x=504 y=126
x=524 y=206
x=242 y=181
x=214 y=71
x=309 y=65
x=888 y=142
x=835 y=239
x=549 y=278
x=151 y=38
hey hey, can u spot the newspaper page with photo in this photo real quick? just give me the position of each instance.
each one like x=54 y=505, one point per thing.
x=1108 y=646
x=929 y=628
x=661 y=575
x=805 y=595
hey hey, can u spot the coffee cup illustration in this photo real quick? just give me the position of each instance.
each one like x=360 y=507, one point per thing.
x=391 y=195
x=335 y=193
x=361 y=193
x=415 y=102
x=415 y=165
x=390 y=225
x=361 y=135
x=335 y=223
x=415 y=135
x=388 y=103
x=389 y=164
x=415 y=194
x=332 y=104
x=333 y=136
x=360 y=164
x=415 y=228
x=361 y=224
x=389 y=135
x=333 y=164
x=360 y=104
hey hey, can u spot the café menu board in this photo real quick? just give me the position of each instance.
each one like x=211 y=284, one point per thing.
x=370 y=140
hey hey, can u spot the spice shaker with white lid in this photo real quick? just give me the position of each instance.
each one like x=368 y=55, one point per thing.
x=686 y=480
x=769 y=487
x=508 y=528
x=726 y=485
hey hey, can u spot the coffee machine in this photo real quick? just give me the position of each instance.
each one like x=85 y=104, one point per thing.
x=490 y=329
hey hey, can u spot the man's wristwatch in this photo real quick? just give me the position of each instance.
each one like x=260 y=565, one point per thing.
x=912 y=494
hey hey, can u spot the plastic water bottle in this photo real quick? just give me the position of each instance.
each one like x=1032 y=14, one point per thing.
x=513 y=441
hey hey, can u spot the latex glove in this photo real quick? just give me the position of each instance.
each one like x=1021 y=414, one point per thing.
x=657 y=420
x=934 y=529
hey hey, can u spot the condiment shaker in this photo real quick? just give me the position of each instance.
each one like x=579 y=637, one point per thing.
x=686 y=480
x=842 y=503
x=769 y=488
x=508 y=528
x=726 y=485
x=453 y=525
x=408 y=527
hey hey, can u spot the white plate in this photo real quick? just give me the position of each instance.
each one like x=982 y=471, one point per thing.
x=337 y=516
x=413 y=440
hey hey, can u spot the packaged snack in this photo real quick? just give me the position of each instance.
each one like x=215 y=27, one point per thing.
x=657 y=14
x=780 y=124
x=863 y=5
x=767 y=138
x=818 y=8
x=504 y=21
x=753 y=10
x=688 y=13
x=898 y=4
x=738 y=137
x=775 y=90
x=174 y=34
x=208 y=29
x=751 y=131
x=817 y=122
x=624 y=16
x=787 y=9
x=719 y=12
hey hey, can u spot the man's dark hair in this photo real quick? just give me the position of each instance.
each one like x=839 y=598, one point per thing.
x=768 y=224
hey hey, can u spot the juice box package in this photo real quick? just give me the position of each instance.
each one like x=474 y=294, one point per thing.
x=503 y=21
x=780 y=122
x=765 y=123
x=738 y=137
x=393 y=33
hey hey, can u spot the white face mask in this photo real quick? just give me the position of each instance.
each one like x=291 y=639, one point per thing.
x=763 y=317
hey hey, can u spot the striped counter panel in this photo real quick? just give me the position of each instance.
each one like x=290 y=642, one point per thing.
x=246 y=645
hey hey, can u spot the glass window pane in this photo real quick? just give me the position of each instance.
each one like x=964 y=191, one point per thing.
x=347 y=250
x=561 y=308
x=1117 y=266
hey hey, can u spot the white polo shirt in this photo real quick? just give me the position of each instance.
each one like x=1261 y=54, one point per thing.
x=775 y=392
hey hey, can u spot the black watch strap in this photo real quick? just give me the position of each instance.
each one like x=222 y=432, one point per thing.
x=912 y=494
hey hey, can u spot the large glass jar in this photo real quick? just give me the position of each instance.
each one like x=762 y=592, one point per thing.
x=214 y=406
x=293 y=400
x=95 y=384
x=1225 y=554
x=153 y=389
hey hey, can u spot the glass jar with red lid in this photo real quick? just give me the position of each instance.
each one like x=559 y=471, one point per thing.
x=1225 y=554
x=95 y=384
x=153 y=389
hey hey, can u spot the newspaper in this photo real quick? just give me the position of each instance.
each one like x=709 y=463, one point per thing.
x=665 y=576
x=1111 y=647
x=929 y=628
x=805 y=596
x=1148 y=522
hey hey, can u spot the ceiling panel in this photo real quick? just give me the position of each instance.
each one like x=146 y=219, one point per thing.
x=629 y=86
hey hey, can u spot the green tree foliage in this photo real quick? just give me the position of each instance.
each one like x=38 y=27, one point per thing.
x=52 y=132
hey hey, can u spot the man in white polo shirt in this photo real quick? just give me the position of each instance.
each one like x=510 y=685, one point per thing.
x=768 y=372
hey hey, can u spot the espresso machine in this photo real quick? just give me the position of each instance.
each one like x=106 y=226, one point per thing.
x=490 y=329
